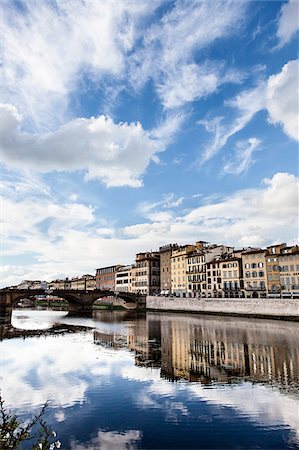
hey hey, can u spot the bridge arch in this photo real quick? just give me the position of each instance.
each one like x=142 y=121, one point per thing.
x=80 y=302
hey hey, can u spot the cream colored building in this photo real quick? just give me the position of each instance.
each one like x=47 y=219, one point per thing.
x=254 y=272
x=57 y=284
x=273 y=269
x=123 y=279
x=203 y=272
x=289 y=271
x=231 y=275
x=179 y=268
x=84 y=283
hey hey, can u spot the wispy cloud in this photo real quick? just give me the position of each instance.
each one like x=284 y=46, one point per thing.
x=247 y=104
x=242 y=159
x=94 y=38
x=167 y=53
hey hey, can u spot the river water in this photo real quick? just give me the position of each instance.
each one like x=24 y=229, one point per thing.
x=157 y=381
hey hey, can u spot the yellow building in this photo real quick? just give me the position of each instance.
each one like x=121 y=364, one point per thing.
x=179 y=268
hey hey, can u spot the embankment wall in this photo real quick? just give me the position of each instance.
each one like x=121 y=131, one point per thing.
x=286 y=309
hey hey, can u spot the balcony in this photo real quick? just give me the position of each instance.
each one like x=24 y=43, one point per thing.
x=255 y=288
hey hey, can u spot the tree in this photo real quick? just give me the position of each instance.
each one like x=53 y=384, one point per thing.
x=36 y=431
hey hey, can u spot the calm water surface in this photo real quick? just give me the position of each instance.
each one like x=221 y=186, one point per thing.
x=157 y=381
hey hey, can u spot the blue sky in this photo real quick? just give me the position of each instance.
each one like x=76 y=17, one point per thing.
x=129 y=125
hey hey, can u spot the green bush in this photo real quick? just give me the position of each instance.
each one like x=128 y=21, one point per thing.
x=36 y=432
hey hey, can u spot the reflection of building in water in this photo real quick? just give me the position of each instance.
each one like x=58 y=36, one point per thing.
x=146 y=343
x=210 y=350
x=112 y=340
x=196 y=353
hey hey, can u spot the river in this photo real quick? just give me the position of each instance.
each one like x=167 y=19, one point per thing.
x=157 y=381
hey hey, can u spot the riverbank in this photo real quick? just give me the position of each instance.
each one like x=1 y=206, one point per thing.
x=266 y=308
x=10 y=332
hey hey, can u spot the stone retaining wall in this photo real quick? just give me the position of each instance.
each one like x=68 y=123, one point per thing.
x=263 y=307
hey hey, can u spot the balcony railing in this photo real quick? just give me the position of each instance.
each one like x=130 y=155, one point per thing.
x=255 y=288
x=290 y=287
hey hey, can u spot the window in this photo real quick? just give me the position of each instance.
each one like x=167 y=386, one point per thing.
x=247 y=265
x=292 y=267
x=253 y=265
x=247 y=274
x=261 y=274
x=254 y=274
x=260 y=264
x=270 y=277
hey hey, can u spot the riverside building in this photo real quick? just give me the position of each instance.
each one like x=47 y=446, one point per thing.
x=105 y=277
x=254 y=271
x=146 y=273
x=179 y=268
x=289 y=271
x=123 y=279
x=165 y=267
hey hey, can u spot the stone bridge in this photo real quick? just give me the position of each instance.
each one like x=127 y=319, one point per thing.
x=80 y=302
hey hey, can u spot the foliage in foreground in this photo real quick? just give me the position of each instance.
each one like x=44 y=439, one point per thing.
x=13 y=432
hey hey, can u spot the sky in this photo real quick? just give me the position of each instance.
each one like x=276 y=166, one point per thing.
x=133 y=124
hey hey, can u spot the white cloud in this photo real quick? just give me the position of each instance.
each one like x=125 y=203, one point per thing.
x=247 y=104
x=248 y=217
x=168 y=201
x=243 y=157
x=116 y=153
x=283 y=98
x=288 y=23
x=64 y=369
x=52 y=235
x=111 y=440
x=253 y=402
x=168 y=48
x=39 y=72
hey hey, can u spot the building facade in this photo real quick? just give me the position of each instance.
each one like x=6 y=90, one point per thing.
x=289 y=271
x=123 y=279
x=105 y=277
x=231 y=274
x=273 y=269
x=165 y=267
x=179 y=269
x=254 y=272
x=146 y=273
